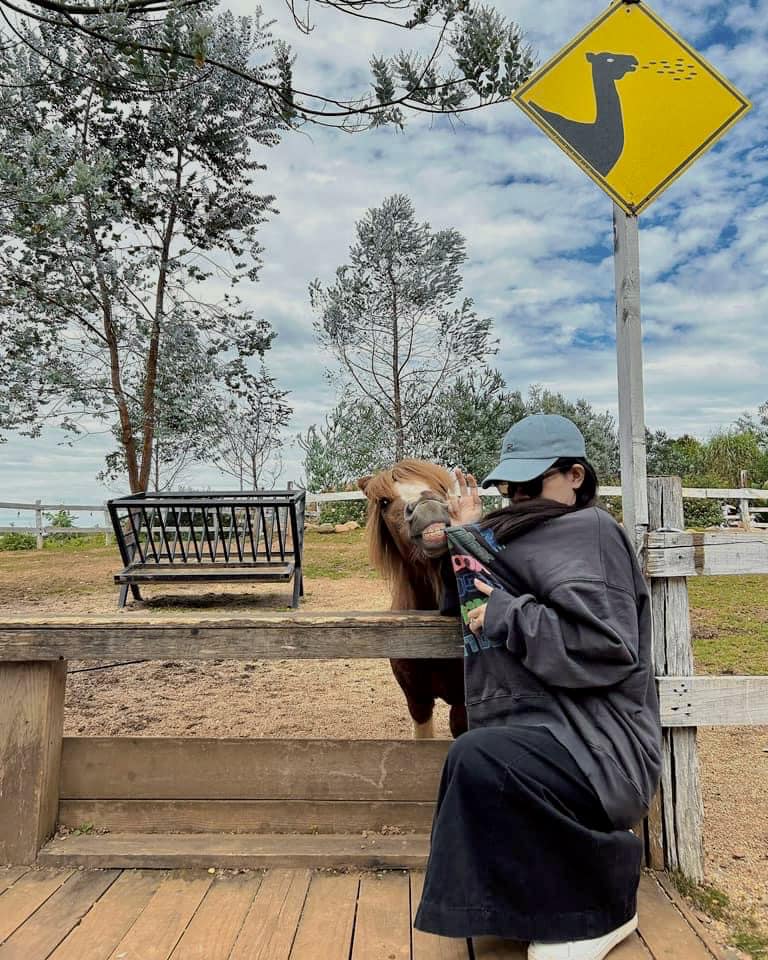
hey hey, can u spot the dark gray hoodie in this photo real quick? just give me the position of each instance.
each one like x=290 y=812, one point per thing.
x=572 y=652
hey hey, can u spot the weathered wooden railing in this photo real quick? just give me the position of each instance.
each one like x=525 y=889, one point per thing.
x=318 y=786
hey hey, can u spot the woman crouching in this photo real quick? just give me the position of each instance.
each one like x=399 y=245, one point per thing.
x=531 y=838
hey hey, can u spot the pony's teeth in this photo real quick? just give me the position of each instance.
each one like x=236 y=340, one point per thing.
x=433 y=531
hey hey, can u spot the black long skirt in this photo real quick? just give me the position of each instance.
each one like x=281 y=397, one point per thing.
x=521 y=846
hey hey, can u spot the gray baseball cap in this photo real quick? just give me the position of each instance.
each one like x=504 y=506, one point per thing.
x=533 y=444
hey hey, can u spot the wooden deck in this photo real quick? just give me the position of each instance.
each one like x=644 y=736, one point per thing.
x=279 y=914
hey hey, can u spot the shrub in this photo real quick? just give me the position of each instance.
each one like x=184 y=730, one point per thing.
x=697 y=513
x=54 y=539
x=702 y=513
x=73 y=542
x=342 y=511
x=61 y=519
x=18 y=541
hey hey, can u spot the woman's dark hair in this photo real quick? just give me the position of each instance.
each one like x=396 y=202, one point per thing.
x=516 y=519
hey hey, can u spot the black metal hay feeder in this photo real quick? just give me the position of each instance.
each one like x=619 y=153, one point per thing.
x=251 y=536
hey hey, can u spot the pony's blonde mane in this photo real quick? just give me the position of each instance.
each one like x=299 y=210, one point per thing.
x=383 y=551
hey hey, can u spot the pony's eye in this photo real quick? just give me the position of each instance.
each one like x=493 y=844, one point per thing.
x=384 y=503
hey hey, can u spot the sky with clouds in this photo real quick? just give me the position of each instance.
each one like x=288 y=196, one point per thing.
x=539 y=240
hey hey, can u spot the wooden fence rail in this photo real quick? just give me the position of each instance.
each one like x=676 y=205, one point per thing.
x=714 y=553
x=685 y=700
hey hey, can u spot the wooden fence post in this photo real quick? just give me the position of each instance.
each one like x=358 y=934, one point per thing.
x=746 y=518
x=31 y=728
x=679 y=829
x=107 y=528
x=39 y=523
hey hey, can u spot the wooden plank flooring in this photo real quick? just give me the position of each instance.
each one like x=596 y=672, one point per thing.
x=276 y=914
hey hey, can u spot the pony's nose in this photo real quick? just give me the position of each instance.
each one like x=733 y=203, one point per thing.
x=410 y=505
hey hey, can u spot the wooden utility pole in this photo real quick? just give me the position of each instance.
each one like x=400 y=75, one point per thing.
x=629 y=352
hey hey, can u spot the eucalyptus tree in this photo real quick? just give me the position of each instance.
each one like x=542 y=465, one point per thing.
x=250 y=430
x=474 y=57
x=188 y=402
x=117 y=216
x=393 y=317
x=235 y=428
x=757 y=424
x=465 y=425
x=674 y=456
x=598 y=427
x=351 y=442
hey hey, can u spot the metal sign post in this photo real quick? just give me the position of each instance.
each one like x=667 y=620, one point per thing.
x=634 y=105
x=629 y=354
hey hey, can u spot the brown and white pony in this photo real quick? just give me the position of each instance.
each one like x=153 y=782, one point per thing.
x=407 y=517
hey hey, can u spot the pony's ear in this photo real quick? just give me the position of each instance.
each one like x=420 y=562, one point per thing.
x=364 y=481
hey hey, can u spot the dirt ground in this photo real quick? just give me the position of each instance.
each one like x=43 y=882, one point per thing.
x=354 y=698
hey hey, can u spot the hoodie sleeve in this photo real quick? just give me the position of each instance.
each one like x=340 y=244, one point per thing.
x=585 y=635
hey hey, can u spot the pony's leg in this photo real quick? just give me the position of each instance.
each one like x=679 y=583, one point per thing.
x=414 y=679
x=421 y=716
x=424 y=731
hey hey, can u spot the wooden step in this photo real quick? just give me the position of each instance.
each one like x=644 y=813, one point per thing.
x=237 y=851
x=248 y=816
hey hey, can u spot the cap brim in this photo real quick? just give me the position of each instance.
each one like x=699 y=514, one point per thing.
x=518 y=471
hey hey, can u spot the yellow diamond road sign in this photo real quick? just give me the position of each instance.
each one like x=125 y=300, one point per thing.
x=631 y=103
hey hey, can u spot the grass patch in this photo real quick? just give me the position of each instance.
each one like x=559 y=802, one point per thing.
x=62 y=542
x=715 y=903
x=73 y=543
x=746 y=933
x=730 y=624
x=33 y=576
x=334 y=556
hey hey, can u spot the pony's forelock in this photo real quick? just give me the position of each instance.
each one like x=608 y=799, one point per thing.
x=383 y=551
x=381 y=486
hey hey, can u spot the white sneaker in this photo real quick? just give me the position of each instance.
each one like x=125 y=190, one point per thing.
x=594 y=949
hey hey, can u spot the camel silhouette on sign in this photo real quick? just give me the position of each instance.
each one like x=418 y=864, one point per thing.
x=599 y=143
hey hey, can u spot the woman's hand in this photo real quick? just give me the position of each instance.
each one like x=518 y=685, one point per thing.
x=476 y=618
x=466 y=507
